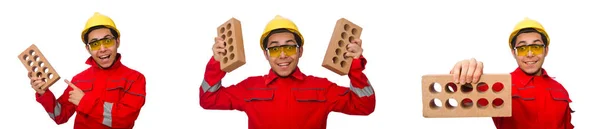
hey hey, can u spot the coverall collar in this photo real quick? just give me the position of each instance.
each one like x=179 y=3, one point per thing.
x=524 y=78
x=116 y=64
x=296 y=74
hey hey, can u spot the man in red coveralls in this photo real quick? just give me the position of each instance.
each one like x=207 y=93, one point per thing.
x=538 y=101
x=286 y=98
x=106 y=95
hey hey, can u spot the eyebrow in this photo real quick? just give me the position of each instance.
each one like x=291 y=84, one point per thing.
x=534 y=41
x=288 y=41
x=95 y=39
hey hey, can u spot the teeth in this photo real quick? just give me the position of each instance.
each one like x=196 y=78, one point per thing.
x=283 y=64
x=530 y=62
x=103 y=57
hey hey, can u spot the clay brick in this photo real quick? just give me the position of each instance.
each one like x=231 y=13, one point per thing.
x=231 y=33
x=36 y=63
x=491 y=87
x=344 y=32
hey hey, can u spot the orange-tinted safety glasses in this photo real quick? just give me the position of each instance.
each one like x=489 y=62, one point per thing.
x=288 y=50
x=535 y=49
x=106 y=42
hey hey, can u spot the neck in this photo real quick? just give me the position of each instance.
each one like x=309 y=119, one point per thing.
x=537 y=73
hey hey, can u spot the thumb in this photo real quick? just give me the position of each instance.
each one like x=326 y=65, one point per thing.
x=72 y=85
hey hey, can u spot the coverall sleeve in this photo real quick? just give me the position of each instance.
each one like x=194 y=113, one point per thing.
x=359 y=97
x=121 y=114
x=568 y=118
x=213 y=95
x=59 y=110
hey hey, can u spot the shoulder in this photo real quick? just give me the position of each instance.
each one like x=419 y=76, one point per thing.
x=131 y=73
x=555 y=84
x=83 y=75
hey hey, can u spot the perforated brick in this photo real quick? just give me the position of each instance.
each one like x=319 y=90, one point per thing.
x=344 y=32
x=36 y=63
x=231 y=33
x=490 y=88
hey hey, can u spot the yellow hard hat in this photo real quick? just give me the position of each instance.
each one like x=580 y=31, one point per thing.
x=99 y=20
x=528 y=23
x=280 y=22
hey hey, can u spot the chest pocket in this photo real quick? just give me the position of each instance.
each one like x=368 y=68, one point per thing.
x=309 y=94
x=259 y=94
x=526 y=93
x=115 y=89
x=559 y=95
x=86 y=85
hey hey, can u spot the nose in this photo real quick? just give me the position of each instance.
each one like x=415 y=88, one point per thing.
x=282 y=54
x=529 y=53
x=102 y=48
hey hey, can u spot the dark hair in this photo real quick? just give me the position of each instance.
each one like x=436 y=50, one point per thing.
x=281 y=30
x=85 y=36
x=528 y=30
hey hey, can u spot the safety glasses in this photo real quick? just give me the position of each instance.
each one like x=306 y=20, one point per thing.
x=288 y=50
x=106 y=42
x=535 y=49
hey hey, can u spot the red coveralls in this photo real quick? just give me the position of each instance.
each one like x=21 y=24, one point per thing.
x=538 y=102
x=295 y=102
x=113 y=98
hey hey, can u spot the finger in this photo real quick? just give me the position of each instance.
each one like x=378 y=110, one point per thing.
x=349 y=55
x=220 y=44
x=472 y=66
x=357 y=42
x=221 y=51
x=456 y=72
x=38 y=83
x=478 y=72
x=353 y=49
x=72 y=85
x=463 y=72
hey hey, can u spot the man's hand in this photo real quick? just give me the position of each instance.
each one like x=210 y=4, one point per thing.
x=219 y=48
x=76 y=94
x=354 y=49
x=37 y=83
x=467 y=71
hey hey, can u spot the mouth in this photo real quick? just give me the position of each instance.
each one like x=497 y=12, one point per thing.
x=530 y=62
x=104 y=57
x=283 y=64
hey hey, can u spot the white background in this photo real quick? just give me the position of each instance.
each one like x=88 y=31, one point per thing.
x=170 y=42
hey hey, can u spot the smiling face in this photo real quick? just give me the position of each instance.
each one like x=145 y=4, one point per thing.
x=102 y=46
x=283 y=53
x=530 y=51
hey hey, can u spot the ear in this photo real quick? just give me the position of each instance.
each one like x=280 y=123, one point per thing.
x=266 y=55
x=513 y=53
x=118 y=42
x=88 y=49
x=300 y=52
x=546 y=52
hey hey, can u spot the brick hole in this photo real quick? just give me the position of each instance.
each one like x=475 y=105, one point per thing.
x=482 y=103
x=497 y=87
x=435 y=87
x=497 y=103
x=346 y=27
x=466 y=88
x=451 y=103
x=435 y=103
x=451 y=87
x=466 y=103
x=482 y=87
